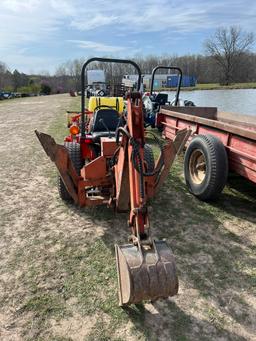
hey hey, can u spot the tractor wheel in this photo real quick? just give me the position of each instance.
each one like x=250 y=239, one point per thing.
x=149 y=158
x=206 y=167
x=188 y=103
x=75 y=156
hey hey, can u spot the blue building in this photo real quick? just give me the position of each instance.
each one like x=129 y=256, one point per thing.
x=172 y=81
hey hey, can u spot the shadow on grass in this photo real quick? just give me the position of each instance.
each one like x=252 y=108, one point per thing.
x=239 y=184
x=210 y=258
x=167 y=321
x=239 y=199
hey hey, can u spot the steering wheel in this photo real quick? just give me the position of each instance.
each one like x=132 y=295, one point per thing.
x=104 y=106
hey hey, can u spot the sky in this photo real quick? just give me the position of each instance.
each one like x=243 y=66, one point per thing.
x=38 y=35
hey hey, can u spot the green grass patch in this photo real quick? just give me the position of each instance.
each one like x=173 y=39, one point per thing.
x=210 y=259
x=44 y=305
x=214 y=86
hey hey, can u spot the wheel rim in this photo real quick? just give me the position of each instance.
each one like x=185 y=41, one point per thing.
x=197 y=166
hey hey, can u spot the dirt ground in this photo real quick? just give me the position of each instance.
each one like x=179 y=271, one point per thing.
x=57 y=266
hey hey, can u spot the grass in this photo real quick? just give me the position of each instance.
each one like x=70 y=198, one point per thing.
x=79 y=276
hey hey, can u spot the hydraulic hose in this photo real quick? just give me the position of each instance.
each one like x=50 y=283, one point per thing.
x=136 y=157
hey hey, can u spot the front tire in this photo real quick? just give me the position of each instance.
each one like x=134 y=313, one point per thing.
x=75 y=156
x=206 y=167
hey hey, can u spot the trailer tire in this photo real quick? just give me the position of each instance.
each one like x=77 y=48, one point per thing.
x=149 y=158
x=75 y=156
x=206 y=167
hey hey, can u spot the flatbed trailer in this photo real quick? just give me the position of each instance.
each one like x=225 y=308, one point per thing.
x=237 y=133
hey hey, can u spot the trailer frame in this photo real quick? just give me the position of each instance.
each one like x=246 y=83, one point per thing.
x=237 y=133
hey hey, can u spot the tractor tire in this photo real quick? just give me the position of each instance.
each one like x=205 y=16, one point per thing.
x=206 y=167
x=149 y=158
x=188 y=103
x=75 y=156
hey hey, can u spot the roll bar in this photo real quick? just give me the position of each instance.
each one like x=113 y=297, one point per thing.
x=104 y=60
x=167 y=68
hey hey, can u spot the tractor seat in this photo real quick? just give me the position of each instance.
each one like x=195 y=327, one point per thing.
x=161 y=99
x=111 y=120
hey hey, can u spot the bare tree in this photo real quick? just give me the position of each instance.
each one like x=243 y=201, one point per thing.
x=203 y=67
x=3 y=70
x=226 y=47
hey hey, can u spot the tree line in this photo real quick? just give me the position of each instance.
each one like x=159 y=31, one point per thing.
x=228 y=58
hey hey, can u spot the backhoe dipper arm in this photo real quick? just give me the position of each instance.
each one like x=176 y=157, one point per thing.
x=130 y=169
x=138 y=219
x=146 y=267
x=129 y=178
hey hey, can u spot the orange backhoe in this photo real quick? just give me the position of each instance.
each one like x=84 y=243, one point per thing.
x=124 y=175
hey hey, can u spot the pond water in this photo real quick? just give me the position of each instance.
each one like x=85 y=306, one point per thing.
x=240 y=101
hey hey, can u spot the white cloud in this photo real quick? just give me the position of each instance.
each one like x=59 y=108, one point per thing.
x=98 y=47
x=17 y=6
x=160 y=15
x=64 y=7
x=33 y=17
x=29 y=22
x=91 y=23
x=27 y=63
x=45 y=24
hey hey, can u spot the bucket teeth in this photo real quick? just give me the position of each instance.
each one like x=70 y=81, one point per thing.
x=145 y=274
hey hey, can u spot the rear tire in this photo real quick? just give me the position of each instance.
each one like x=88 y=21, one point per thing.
x=206 y=167
x=75 y=156
x=188 y=103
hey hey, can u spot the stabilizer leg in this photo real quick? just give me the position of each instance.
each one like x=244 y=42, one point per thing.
x=59 y=155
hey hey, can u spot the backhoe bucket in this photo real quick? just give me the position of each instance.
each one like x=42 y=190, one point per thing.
x=145 y=273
